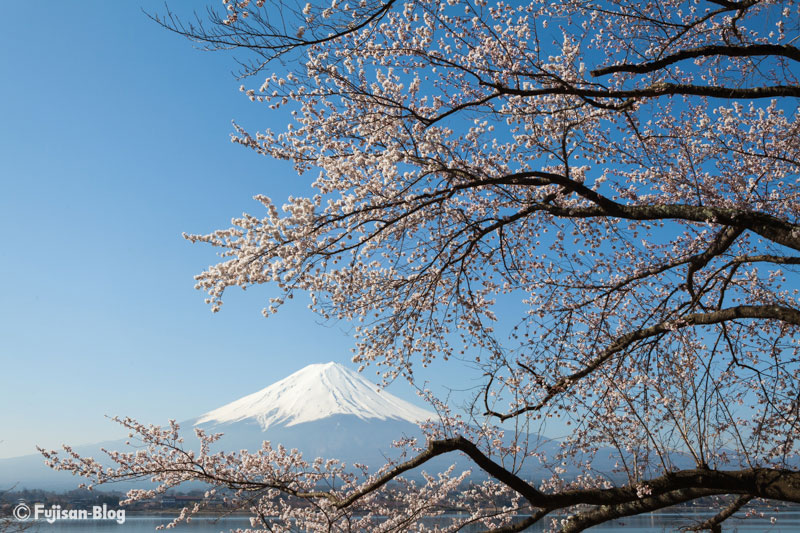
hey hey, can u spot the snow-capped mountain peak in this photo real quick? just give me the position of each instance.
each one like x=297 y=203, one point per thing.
x=315 y=392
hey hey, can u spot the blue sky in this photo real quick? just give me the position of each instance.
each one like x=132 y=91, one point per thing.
x=114 y=140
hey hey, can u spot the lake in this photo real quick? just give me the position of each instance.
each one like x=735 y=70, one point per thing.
x=788 y=522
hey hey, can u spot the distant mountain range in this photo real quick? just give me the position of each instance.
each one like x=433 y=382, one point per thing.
x=324 y=410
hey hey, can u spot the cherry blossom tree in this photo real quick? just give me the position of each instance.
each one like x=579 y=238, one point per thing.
x=626 y=172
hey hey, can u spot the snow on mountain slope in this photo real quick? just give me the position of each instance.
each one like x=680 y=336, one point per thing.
x=315 y=392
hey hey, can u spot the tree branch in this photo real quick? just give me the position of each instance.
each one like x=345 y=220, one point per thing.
x=774 y=312
x=723 y=515
x=786 y=50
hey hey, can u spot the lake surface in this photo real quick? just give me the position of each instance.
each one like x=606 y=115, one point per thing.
x=787 y=522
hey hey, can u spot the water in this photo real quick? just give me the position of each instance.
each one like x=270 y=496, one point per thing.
x=787 y=522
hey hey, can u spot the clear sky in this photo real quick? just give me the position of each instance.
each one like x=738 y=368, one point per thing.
x=114 y=139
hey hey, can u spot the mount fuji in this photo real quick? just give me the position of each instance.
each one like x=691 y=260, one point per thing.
x=324 y=410
x=313 y=393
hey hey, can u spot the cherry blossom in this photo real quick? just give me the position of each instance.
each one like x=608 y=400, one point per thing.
x=626 y=171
